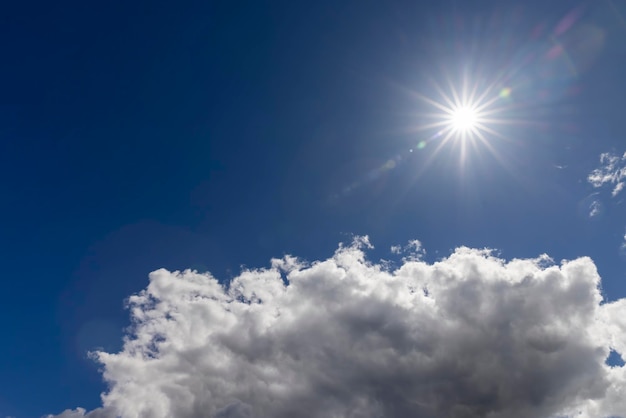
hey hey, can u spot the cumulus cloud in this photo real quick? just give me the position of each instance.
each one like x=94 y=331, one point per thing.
x=612 y=171
x=469 y=336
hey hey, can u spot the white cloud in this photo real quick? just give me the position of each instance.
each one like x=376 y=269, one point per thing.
x=81 y=412
x=612 y=171
x=469 y=336
x=595 y=208
x=413 y=250
x=618 y=188
x=68 y=413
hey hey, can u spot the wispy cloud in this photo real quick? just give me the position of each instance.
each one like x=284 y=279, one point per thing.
x=612 y=171
x=595 y=208
x=471 y=335
x=412 y=251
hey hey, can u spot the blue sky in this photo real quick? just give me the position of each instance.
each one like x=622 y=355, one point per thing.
x=210 y=135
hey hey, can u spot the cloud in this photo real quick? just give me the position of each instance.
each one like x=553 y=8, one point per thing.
x=81 y=412
x=469 y=336
x=412 y=251
x=595 y=208
x=612 y=171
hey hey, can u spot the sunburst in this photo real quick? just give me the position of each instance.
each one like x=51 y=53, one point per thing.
x=465 y=116
x=463 y=119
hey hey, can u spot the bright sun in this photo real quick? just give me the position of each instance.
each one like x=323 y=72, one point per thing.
x=465 y=116
x=463 y=119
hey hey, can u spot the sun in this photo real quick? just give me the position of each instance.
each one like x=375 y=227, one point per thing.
x=463 y=119
x=465 y=115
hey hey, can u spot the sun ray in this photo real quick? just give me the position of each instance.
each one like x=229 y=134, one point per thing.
x=469 y=115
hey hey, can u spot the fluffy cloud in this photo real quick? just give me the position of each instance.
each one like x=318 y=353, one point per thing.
x=612 y=171
x=471 y=335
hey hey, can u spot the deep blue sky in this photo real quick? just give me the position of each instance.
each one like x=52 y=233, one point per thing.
x=209 y=135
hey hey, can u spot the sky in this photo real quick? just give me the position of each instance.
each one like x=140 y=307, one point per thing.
x=276 y=209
